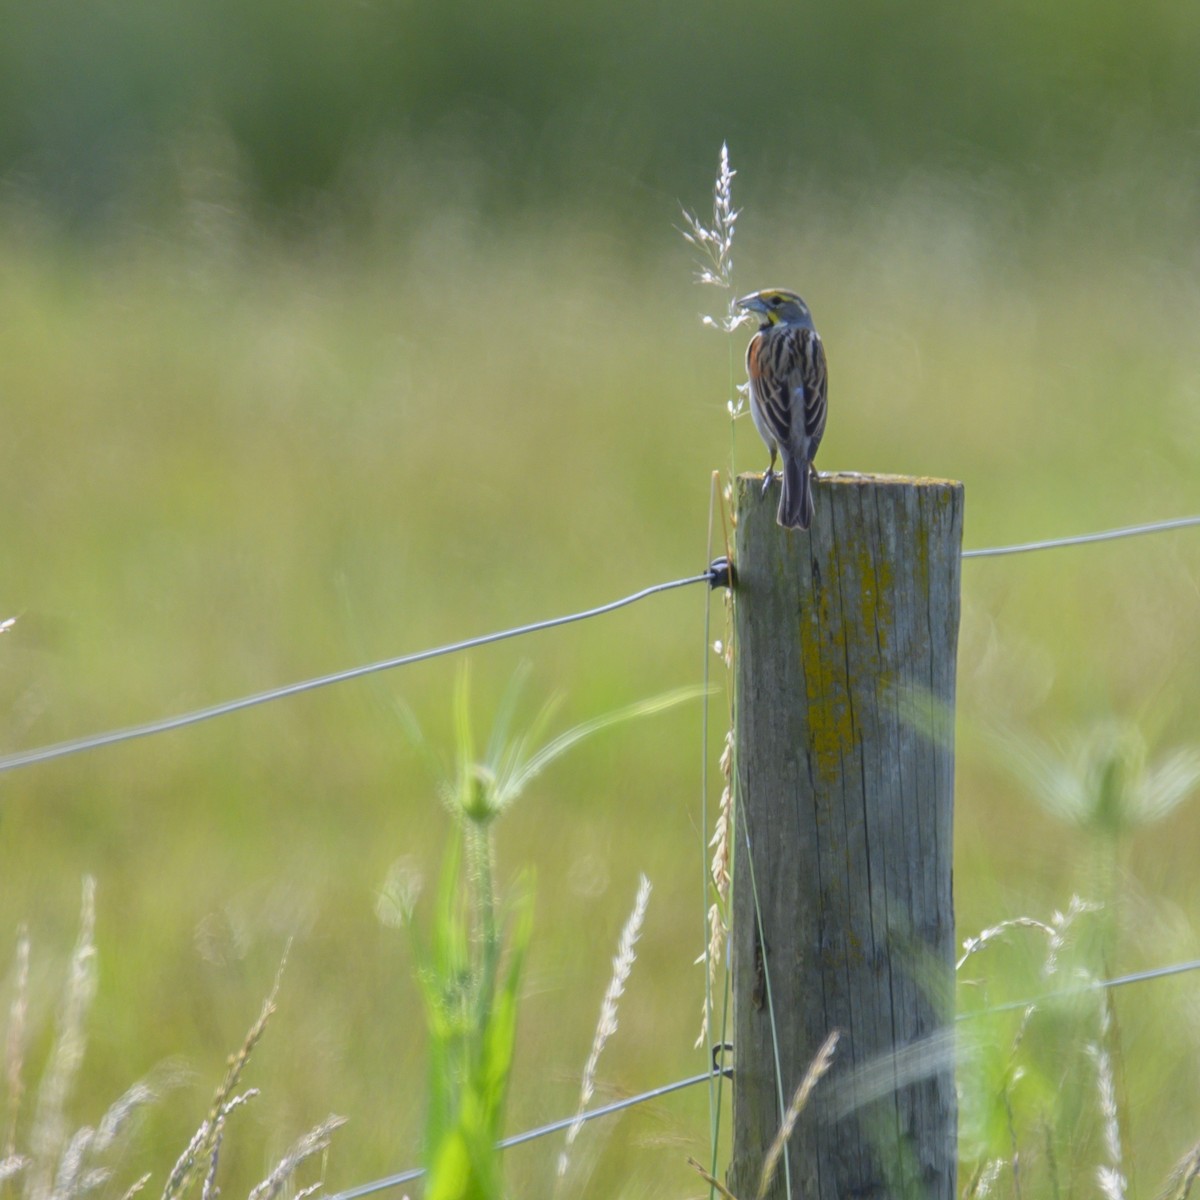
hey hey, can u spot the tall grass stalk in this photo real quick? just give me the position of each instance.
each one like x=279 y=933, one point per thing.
x=1036 y=1095
x=69 y=1164
x=482 y=788
x=469 y=967
x=48 y=1136
x=817 y=1068
x=1110 y=1175
x=1183 y=1177
x=315 y=1142
x=14 y=1048
x=607 y=1025
x=714 y=244
x=471 y=1014
x=1105 y=786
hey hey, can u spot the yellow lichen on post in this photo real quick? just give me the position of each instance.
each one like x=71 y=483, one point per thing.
x=845 y=643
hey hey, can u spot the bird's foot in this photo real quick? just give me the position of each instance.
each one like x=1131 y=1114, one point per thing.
x=768 y=479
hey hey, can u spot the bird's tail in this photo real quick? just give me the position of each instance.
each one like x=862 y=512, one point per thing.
x=795 y=501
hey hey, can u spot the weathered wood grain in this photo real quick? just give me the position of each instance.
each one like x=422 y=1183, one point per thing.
x=845 y=646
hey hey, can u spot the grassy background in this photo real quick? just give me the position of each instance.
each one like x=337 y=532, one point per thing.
x=259 y=426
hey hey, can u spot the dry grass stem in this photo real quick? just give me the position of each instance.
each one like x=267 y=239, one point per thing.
x=1112 y=1183
x=136 y=1187
x=62 y=1165
x=712 y=957
x=199 y=1149
x=237 y=1064
x=12 y=1166
x=715 y=243
x=316 y=1141
x=1107 y=1096
x=114 y=1122
x=884 y=1072
x=186 y=1162
x=200 y=1146
x=721 y=875
x=1062 y=923
x=607 y=1025
x=973 y=945
x=1110 y=1175
x=49 y=1133
x=1179 y=1182
x=722 y=834
x=209 y=1189
x=1013 y=1076
x=816 y=1069
x=68 y=1180
x=14 y=1045
x=712 y=1182
x=1056 y=931
x=984 y=1179
x=1014 y=1163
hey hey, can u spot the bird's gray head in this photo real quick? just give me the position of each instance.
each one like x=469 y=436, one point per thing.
x=777 y=306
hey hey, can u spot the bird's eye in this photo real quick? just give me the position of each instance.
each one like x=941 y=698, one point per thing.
x=776 y=300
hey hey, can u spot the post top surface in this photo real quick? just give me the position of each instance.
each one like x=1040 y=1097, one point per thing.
x=867 y=479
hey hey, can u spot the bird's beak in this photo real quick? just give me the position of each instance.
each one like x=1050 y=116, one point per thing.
x=754 y=302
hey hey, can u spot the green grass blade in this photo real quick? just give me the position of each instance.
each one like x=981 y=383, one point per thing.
x=557 y=747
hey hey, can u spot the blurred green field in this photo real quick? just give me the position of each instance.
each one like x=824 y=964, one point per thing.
x=232 y=458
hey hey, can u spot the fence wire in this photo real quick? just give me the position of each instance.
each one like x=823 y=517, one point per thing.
x=1083 y=539
x=717 y=575
x=540 y=1131
x=530 y=1135
x=26 y=758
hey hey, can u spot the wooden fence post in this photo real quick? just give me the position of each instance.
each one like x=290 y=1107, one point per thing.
x=845 y=657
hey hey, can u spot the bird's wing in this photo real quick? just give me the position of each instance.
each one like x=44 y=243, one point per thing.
x=768 y=361
x=788 y=374
x=809 y=355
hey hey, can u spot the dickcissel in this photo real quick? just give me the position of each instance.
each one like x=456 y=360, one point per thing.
x=788 y=385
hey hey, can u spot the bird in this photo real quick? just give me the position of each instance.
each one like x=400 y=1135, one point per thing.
x=785 y=363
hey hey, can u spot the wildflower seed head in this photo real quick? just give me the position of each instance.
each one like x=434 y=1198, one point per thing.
x=479 y=795
x=398 y=897
x=715 y=245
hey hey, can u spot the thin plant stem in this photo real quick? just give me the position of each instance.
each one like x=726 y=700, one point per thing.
x=733 y=418
x=725 y=997
x=480 y=851
x=714 y=244
x=713 y=1092
x=787 y=1168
